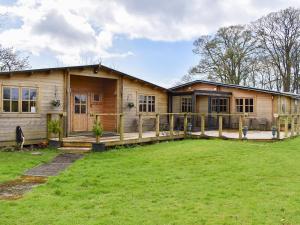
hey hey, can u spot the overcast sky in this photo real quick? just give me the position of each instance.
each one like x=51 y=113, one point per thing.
x=150 y=39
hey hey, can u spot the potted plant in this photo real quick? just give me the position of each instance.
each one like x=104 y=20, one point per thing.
x=245 y=131
x=55 y=103
x=274 y=131
x=98 y=131
x=130 y=105
x=54 y=128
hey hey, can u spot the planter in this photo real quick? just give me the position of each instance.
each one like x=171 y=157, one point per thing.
x=98 y=147
x=54 y=144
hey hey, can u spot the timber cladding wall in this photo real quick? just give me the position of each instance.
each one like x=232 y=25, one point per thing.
x=131 y=90
x=32 y=124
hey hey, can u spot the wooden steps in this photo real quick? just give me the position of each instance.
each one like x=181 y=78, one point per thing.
x=78 y=150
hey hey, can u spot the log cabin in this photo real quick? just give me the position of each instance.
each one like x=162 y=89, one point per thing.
x=79 y=92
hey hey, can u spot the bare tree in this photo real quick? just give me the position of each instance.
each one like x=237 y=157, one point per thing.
x=226 y=56
x=11 y=60
x=278 y=37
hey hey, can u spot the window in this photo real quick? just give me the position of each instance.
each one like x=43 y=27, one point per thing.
x=10 y=99
x=29 y=98
x=244 y=105
x=80 y=104
x=97 y=97
x=146 y=103
x=219 y=105
x=186 y=104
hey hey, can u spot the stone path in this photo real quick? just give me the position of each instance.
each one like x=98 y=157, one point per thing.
x=58 y=164
x=33 y=177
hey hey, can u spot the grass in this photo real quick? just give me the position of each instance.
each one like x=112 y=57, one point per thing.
x=183 y=182
x=13 y=164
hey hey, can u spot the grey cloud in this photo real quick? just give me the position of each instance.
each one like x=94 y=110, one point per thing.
x=56 y=26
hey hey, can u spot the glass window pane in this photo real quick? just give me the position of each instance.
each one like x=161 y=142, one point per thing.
x=6 y=106
x=32 y=106
x=25 y=93
x=6 y=93
x=25 y=106
x=77 y=109
x=77 y=99
x=251 y=101
x=15 y=106
x=83 y=99
x=15 y=94
x=33 y=94
x=83 y=109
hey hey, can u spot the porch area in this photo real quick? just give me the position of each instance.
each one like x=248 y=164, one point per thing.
x=164 y=129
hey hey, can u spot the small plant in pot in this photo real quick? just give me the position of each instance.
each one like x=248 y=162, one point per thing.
x=55 y=103
x=54 y=128
x=130 y=105
x=98 y=131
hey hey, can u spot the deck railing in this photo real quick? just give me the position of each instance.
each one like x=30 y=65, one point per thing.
x=291 y=121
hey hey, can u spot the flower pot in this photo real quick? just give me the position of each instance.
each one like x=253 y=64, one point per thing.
x=54 y=144
x=98 y=147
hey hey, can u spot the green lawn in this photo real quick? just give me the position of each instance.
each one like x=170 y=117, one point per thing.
x=13 y=164
x=183 y=182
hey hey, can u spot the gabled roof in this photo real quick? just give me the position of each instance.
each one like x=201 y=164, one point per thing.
x=289 y=94
x=93 y=66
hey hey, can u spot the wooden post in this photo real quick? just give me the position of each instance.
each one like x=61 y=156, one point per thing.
x=298 y=125
x=48 y=120
x=292 y=126
x=140 y=126
x=157 y=125
x=286 y=126
x=61 y=123
x=240 y=127
x=278 y=127
x=203 y=124
x=171 y=125
x=121 y=130
x=185 y=124
x=220 y=126
x=97 y=137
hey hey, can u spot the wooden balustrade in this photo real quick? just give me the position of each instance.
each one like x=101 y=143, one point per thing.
x=202 y=124
x=286 y=127
x=157 y=126
x=140 y=126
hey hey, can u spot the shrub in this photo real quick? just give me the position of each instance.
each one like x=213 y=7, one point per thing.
x=98 y=130
x=54 y=127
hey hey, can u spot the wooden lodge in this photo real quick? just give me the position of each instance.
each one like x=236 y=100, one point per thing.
x=128 y=106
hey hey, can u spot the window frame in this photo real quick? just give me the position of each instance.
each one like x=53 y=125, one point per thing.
x=100 y=98
x=218 y=106
x=29 y=101
x=20 y=88
x=187 y=100
x=244 y=104
x=145 y=103
x=10 y=100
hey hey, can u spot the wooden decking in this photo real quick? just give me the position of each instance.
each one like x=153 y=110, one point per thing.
x=85 y=141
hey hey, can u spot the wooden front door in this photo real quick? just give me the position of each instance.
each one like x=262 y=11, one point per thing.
x=79 y=112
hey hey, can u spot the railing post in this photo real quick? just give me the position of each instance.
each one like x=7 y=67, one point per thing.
x=292 y=126
x=157 y=125
x=171 y=125
x=121 y=130
x=286 y=127
x=240 y=127
x=220 y=126
x=61 y=124
x=140 y=126
x=97 y=121
x=202 y=124
x=185 y=124
x=298 y=125
x=48 y=120
x=278 y=127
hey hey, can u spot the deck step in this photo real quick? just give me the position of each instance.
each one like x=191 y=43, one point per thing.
x=75 y=149
x=77 y=144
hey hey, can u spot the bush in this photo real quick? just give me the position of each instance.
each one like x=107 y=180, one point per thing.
x=54 y=127
x=98 y=130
